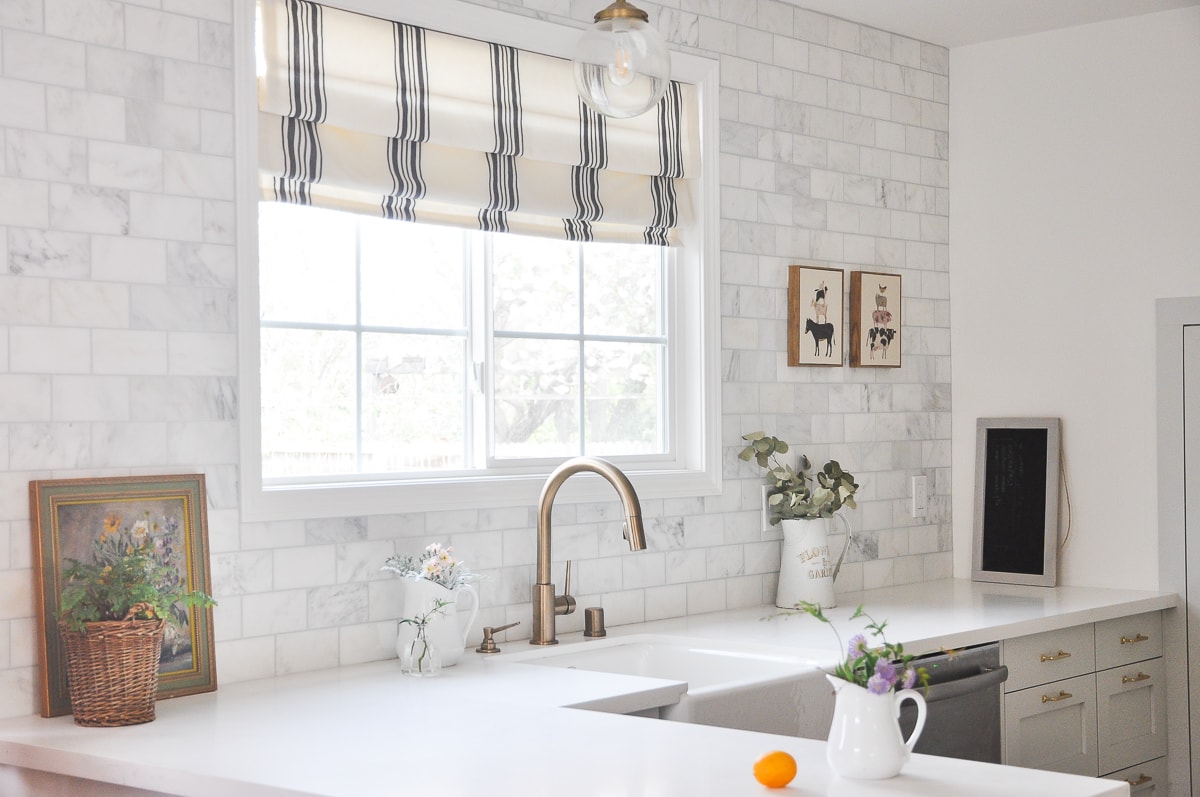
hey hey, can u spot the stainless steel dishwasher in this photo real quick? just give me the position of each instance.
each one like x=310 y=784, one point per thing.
x=964 y=704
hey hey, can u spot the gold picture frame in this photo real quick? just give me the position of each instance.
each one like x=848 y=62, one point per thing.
x=71 y=516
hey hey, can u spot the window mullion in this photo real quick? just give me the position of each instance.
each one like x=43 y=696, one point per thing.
x=477 y=251
x=582 y=368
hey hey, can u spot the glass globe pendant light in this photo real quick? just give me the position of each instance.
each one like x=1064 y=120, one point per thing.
x=621 y=63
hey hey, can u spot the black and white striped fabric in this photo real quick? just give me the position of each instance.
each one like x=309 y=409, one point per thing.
x=380 y=117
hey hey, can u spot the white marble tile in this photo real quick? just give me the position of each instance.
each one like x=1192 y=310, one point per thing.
x=183 y=398
x=197 y=85
x=166 y=126
x=44 y=59
x=18 y=691
x=125 y=74
x=116 y=165
x=43 y=350
x=167 y=217
x=126 y=259
x=90 y=398
x=305 y=567
x=23 y=104
x=307 y=650
x=241 y=573
x=202 y=441
x=151 y=31
x=367 y=642
x=216 y=133
x=75 y=303
x=87 y=209
x=337 y=605
x=129 y=445
x=246 y=659
x=47 y=446
x=100 y=116
x=191 y=174
x=25 y=398
x=361 y=561
x=278 y=534
x=93 y=21
x=274 y=612
x=128 y=352
x=24 y=203
x=216 y=43
x=202 y=354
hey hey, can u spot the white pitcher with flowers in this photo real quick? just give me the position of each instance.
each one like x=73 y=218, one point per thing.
x=436 y=578
x=870 y=683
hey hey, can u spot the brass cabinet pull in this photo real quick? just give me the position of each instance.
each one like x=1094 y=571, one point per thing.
x=1061 y=696
x=1139 y=638
x=1133 y=679
x=1142 y=780
x=1062 y=654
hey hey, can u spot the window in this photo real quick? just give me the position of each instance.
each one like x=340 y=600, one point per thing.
x=392 y=366
x=390 y=347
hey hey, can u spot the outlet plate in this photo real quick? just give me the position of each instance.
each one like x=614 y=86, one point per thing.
x=920 y=496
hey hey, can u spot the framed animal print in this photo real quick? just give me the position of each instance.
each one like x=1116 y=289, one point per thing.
x=876 y=336
x=816 y=309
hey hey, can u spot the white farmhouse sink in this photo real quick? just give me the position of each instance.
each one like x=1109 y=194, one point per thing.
x=730 y=684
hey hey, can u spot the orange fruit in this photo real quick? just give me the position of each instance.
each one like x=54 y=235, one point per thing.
x=775 y=770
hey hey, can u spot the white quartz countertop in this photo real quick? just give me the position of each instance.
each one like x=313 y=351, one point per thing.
x=497 y=728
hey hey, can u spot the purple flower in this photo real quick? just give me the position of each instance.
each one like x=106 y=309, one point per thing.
x=910 y=679
x=857 y=647
x=878 y=685
x=886 y=670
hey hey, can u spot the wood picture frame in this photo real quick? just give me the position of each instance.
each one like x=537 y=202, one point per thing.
x=1017 y=467
x=876 y=329
x=816 y=310
x=71 y=518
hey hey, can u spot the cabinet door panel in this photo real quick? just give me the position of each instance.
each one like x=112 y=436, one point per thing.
x=1053 y=726
x=1131 y=714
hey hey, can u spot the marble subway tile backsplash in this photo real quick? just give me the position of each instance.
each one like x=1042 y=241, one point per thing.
x=118 y=334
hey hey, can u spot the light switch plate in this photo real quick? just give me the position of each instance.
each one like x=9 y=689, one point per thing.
x=920 y=497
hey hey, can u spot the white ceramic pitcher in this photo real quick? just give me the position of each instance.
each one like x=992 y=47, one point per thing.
x=806 y=569
x=447 y=630
x=864 y=740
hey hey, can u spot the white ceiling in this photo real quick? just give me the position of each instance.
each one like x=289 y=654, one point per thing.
x=952 y=23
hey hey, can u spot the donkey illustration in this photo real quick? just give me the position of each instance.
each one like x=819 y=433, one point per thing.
x=820 y=332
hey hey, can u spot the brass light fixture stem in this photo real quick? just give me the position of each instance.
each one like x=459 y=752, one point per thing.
x=620 y=9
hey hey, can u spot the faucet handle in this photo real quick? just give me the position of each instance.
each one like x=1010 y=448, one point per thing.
x=565 y=603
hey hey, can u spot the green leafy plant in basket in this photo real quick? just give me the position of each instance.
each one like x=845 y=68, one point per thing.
x=792 y=492
x=131 y=568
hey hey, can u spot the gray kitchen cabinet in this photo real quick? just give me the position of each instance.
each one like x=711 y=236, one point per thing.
x=1088 y=700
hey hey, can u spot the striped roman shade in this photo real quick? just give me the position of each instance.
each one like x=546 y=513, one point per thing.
x=380 y=117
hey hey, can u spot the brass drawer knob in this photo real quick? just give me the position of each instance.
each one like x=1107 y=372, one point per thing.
x=1133 y=679
x=1139 y=638
x=1062 y=654
x=1141 y=780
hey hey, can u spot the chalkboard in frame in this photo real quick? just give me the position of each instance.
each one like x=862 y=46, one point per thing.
x=1016 y=500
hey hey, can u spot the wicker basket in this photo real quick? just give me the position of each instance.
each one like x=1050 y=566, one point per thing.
x=112 y=671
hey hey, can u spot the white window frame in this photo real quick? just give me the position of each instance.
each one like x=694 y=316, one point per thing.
x=695 y=469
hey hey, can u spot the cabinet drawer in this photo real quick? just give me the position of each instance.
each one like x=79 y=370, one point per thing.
x=1049 y=656
x=1148 y=779
x=1053 y=726
x=1128 y=639
x=1131 y=708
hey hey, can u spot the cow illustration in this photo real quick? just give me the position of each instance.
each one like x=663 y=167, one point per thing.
x=879 y=339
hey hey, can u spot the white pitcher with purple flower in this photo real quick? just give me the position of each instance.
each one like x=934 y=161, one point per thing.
x=436 y=578
x=870 y=683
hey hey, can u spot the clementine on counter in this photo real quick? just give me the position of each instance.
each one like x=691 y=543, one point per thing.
x=775 y=770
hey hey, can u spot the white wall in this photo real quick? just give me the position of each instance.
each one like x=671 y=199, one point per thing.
x=1076 y=178
x=117 y=336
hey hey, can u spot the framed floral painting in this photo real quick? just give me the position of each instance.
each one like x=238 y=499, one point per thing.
x=92 y=520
